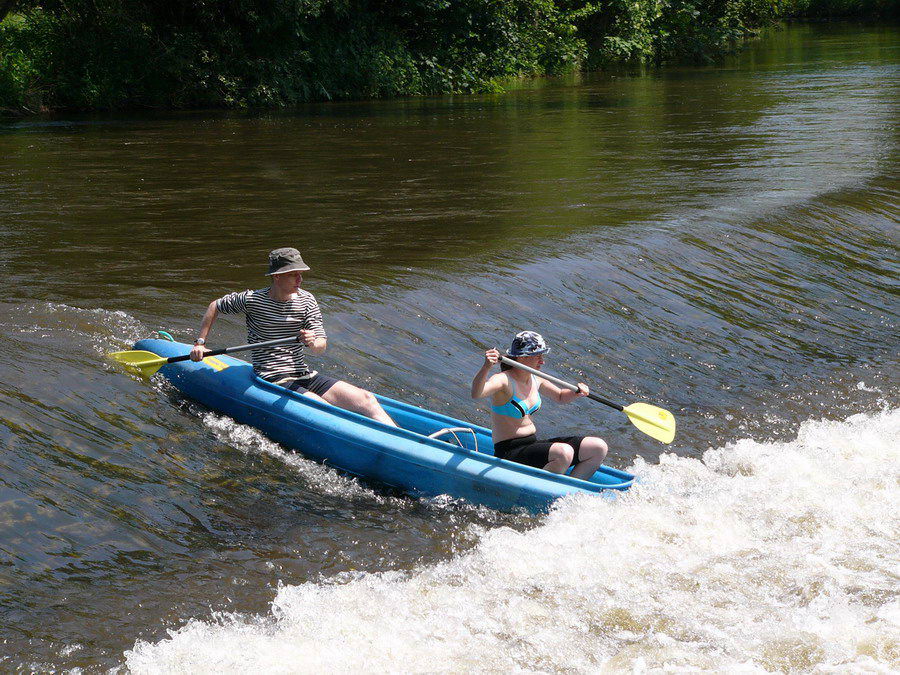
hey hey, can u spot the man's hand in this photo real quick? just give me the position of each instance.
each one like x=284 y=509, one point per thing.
x=308 y=337
x=583 y=389
x=491 y=356
x=316 y=345
x=198 y=351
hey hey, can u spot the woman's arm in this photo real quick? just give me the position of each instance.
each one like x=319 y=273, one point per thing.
x=563 y=395
x=483 y=387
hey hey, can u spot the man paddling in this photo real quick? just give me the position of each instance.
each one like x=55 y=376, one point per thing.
x=285 y=310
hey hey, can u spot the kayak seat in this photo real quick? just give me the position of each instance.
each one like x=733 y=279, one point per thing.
x=451 y=433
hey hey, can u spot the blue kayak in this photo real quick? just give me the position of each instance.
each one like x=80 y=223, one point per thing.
x=428 y=455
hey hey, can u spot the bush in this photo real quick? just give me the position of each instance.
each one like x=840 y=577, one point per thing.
x=831 y=9
x=107 y=54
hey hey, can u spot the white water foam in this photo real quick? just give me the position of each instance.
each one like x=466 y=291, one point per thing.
x=759 y=557
x=324 y=479
x=252 y=441
x=106 y=330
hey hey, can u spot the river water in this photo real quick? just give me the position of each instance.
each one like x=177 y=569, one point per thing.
x=721 y=241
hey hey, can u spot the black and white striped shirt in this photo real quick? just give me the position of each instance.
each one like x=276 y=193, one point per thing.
x=270 y=319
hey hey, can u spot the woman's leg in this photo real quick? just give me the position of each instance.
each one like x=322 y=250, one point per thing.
x=559 y=458
x=590 y=456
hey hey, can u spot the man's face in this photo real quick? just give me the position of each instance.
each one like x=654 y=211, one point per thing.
x=289 y=281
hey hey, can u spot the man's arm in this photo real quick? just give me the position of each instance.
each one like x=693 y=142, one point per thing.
x=209 y=319
x=313 y=333
x=315 y=345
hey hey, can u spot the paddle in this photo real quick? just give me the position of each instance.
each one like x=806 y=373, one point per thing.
x=147 y=363
x=653 y=421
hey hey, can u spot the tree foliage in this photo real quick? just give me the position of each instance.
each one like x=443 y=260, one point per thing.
x=101 y=54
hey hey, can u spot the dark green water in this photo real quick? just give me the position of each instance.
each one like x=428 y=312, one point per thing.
x=721 y=241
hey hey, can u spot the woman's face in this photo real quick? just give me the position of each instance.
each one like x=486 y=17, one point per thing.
x=535 y=361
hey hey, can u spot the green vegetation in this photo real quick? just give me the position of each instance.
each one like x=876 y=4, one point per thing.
x=843 y=9
x=113 y=54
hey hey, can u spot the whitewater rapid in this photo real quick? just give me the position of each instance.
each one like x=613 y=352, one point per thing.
x=759 y=557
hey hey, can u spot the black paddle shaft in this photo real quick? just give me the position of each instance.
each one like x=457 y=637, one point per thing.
x=239 y=348
x=611 y=404
x=559 y=382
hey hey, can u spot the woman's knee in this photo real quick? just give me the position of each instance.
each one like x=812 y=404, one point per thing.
x=593 y=448
x=560 y=452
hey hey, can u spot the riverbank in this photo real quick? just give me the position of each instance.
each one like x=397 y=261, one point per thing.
x=138 y=55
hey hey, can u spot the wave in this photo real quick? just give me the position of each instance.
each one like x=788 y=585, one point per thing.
x=759 y=556
x=321 y=478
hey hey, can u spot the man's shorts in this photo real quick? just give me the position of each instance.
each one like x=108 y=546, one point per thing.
x=318 y=384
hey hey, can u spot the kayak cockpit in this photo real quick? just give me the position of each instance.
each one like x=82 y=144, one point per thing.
x=475 y=438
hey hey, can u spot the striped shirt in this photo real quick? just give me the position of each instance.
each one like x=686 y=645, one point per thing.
x=270 y=319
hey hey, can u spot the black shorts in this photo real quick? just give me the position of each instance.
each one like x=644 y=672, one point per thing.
x=529 y=450
x=317 y=384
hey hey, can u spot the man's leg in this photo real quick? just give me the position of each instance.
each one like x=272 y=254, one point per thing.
x=348 y=396
x=293 y=384
x=315 y=396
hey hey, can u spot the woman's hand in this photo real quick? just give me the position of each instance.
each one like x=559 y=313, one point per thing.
x=197 y=352
x=568 y=395
x=484 y=384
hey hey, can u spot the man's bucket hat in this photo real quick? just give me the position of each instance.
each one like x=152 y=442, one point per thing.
x=283 y=260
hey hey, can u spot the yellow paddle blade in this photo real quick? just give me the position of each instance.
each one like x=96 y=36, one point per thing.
x=140 y=362
x=653 y=421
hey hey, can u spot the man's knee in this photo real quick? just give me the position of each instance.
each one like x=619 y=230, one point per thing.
x=369 y=400
x=361 y=398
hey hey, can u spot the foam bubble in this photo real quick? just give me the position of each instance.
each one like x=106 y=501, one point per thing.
x=105 y=329
x=759 y=557
x=252 y=441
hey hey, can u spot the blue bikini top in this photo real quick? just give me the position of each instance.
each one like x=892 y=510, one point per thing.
x=515 y=407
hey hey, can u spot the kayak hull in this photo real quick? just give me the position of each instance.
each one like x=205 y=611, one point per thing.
x=403 y=458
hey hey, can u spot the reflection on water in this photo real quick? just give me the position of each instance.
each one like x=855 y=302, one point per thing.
x=721 y=241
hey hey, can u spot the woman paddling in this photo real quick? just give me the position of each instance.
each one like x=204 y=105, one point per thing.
x=516 y=396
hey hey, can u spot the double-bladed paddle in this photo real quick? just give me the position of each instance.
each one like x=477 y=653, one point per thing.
x=147 y=363
x=653 y=421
